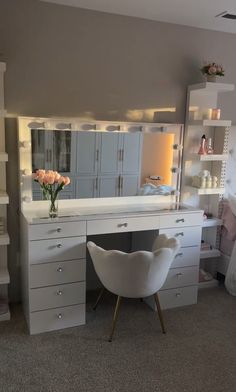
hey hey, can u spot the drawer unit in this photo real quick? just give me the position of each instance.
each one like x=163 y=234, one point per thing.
x=188 y=236
x=57 y=296
x=104 y=226
x=187 y=257
x=55 y=273
x=57 y=249
x=53 y=319
x=178 y=297
x=57 y=230
x=180 y=277
x=181 y=220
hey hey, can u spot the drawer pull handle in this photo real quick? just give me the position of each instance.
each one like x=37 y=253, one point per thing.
x=59 y=269
x=59 y=245
x=179 y=234
x=179 y=255
x=58 y=229
x=122 y=225
x=179 y=220
x=59 y=292
x=177 y=295
x=59 y=316
x=179 y=275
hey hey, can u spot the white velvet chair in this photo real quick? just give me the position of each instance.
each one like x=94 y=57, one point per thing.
x=134 y=275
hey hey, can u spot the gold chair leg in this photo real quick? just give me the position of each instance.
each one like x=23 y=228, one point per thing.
x=159 y=312
x=115 y=316
x=98 y=298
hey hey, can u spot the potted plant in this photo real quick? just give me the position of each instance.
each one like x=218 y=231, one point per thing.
x=211 y=70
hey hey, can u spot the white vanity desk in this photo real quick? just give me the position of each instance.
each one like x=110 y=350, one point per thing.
x=53 y=253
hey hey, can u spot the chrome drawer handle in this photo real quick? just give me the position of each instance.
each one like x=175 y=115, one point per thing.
x=59 y=316
x=179 y=255
x=179 y=220
x=179 y=234
x=122 y=225
x=177 y=295
x=59 y=245
x=59 y=269
x=58 y=229
x=179 y=274
x=59 y=292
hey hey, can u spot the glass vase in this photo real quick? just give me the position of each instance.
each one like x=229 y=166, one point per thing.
x=53 y=208
x=211 y=78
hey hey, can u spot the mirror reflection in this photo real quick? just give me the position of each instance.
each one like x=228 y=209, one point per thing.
x=105 y=164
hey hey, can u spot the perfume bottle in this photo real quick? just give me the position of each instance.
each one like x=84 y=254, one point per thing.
x=202 y=149
x=209 y=146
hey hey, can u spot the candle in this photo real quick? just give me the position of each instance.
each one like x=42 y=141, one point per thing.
x=215 y=114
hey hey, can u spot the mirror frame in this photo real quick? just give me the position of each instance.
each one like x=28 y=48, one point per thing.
x=25 y=124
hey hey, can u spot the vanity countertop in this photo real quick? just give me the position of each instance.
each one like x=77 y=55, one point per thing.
x=91 y=211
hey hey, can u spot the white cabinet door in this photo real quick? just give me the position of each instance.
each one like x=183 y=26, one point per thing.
x=41 y=142
x=131 y=153
x=108 y=186
x=86 y=187
x=109 y=153
x=87 y=153
x=129 y=185
x=64 y=152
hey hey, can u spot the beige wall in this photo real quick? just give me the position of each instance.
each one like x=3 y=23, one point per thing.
x=68 y=61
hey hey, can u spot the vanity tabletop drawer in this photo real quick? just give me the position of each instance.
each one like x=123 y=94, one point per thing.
x=187 y=257
x=59 y=318
x=179 y=277
x=54 y=273
x=178 y=297
x=188 y=236
x=57 y=230
x=119 y=225
x=181 y=220
x=60 y=249
x=57 y=296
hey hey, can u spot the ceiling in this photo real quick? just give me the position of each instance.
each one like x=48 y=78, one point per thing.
x=197 y=13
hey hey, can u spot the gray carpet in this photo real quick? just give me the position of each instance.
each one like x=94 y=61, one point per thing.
x=197 y=354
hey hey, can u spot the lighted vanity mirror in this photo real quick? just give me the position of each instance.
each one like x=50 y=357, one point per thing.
x=102 y=159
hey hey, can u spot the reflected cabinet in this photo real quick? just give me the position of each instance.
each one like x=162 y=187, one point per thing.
x=99 y=164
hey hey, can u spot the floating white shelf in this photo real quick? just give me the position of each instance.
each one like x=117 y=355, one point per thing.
x=4 y=239
x=207 y=254
x=211 y=87
x=3 y=157
x=5 y=316
x=207 y=191
x=208 y=284
x=4 y=199
x=4 y=276
x=211 y=123
x=212 y=157
x=212 y=222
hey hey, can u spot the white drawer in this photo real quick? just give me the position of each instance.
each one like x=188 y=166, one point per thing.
x=179 y=277
x=119 y=225
x=57 y=296
x=49 y=274
x=189 y=236
x=187 y=257
x=178 y=297
x=57 y=230
x=57 y=250
x=52 y=319
x=181 y=220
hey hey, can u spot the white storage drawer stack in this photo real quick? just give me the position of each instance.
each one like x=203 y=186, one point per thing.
x=57 y=274
x=181 y=286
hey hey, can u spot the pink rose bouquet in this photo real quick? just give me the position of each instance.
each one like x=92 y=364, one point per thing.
x=213 y=69
x=51 y=183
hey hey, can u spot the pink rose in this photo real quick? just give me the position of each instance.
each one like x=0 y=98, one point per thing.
x=212 y=70
x=51 y=179
x=57 y=176
x=67 y=180
x=61 y=179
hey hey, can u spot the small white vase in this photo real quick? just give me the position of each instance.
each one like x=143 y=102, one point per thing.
x=211 y=78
